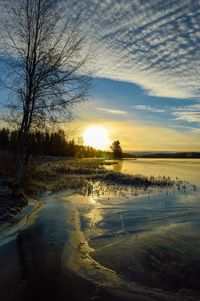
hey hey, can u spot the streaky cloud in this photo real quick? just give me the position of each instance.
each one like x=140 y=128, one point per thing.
x=148 y=108
x=154 y=44
x=189 y=113
x=112 y=111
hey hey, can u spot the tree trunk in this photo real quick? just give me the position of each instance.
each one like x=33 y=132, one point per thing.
x=18 y=174
x=20 y=159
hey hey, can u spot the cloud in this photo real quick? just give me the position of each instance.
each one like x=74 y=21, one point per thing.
x=112 y=111
x=188 y=113
x=184 y=128
x=148 y=108
x=152 y=43
x=187 y=116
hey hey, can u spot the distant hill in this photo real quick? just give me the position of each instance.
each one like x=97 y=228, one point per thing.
x=178 y=155
x=129 y=155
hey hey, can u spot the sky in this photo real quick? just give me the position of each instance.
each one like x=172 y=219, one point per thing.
x=146 y=90
x=146 y=80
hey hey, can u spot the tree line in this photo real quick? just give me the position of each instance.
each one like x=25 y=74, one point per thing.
x=49 y=143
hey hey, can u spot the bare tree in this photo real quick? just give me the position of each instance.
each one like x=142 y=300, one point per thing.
x=47 y=67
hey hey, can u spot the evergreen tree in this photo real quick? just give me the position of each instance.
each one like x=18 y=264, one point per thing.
x=117 y=150
x=4 y=137
x=46 y=143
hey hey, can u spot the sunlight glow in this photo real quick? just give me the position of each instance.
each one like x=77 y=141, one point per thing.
x=97 y=137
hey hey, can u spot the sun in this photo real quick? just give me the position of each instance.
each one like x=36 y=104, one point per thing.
x=97 y=137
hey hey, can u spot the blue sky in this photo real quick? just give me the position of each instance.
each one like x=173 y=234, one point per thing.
x=128 y=101
x=146 y=62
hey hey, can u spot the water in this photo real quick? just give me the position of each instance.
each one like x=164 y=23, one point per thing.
x=184 y=169
x=41 y=262
x=153 y=239
x=149 y=243
x=32 y=265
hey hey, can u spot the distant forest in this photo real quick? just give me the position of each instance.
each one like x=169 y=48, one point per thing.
x=50 y=144
x=179 y=155
x=56 y=144
x=46 y=143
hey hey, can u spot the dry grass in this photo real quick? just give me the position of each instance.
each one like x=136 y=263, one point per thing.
x=82 y=175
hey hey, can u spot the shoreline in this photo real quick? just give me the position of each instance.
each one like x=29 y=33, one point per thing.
x=9 y=231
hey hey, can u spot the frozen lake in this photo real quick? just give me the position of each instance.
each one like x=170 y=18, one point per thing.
x=145 y=246
x=152 y=239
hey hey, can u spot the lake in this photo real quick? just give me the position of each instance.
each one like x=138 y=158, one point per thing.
x=184 y=169
x=142 y=247
x=153 y=239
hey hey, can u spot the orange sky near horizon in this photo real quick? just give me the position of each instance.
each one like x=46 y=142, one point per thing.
x=139 y=137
